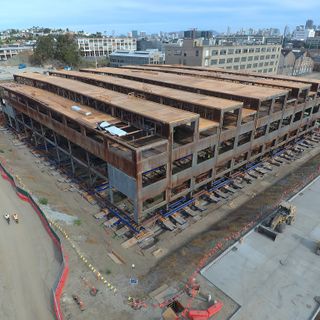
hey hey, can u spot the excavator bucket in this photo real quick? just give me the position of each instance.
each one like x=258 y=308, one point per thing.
x=268 y=232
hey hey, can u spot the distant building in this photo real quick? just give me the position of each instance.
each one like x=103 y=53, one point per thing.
x=316 y=61
x=145 y=44
x=99 y=47
x=260 y=58
x=302 y=34
x=190 y=34
x=123 y=58
x=11 y=51
x=295 y=62
x=286 y=31
x=313 y=43
x=194 y=34
x=244 y=39
x=309 y=24
x=315 y=55
x=206 y=34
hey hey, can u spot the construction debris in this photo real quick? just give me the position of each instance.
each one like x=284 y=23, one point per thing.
x=78 y=301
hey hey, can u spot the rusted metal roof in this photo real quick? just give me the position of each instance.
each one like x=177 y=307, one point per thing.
x=247 y=112
x=61 y=105
x=248 y=73
x=205 y=124
x=229 y=88
x=64 y=106
x=226 y=75
x=147 y=109
x=188 y=97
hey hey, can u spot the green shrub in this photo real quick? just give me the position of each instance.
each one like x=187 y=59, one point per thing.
x=108 y=271
x=43 y=201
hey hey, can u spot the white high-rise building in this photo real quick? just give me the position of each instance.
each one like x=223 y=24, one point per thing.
x=301 y=34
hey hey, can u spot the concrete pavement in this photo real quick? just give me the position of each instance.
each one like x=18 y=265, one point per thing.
x=275 y=280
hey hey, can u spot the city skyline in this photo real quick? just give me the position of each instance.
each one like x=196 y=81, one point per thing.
x=124 y=16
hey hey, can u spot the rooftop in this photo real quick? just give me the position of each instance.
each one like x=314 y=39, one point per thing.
x=147 y=109
x=253 y=74
x=16 y=48
x=127 y=53
x=189 y=97
x=232 y=89
x=65 y=106
x=226 y=75
x=60 y=104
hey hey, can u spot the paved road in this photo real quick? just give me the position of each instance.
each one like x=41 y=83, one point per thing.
x=28 y=264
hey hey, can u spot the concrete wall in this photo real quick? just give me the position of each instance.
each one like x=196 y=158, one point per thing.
x=292 y=64
x=122 y=182
x=187 y=54
x=260 y=58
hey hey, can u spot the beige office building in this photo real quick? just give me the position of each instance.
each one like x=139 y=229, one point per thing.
x=260 y=58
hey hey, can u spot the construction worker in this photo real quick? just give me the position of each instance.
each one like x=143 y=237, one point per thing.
x=7 y=217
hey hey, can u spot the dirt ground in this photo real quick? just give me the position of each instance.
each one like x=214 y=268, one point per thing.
x=28 y=261
x=86 y=233
x=184 y=248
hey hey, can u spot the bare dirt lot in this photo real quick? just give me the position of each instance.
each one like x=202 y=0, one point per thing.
x=184 y=248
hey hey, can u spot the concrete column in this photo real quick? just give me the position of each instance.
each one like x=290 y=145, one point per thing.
x=136 y=211
x=111 y=195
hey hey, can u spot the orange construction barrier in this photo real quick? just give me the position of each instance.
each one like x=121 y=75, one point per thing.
x=205 y=314
x=214 y=309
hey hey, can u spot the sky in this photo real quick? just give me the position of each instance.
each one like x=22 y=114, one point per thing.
x=151 y=16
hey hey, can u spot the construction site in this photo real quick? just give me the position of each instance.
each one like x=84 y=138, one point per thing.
x=179 y=164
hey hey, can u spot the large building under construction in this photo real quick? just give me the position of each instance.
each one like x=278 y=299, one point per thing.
x=157 y=136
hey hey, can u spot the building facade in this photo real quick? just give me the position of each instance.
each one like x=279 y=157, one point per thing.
x=313 y=43
x=259 y=58
x=194 y=34
x=145 y=44
x=123 y=58
x=9 y=52
x=101 y=47
x=154 y=138
x=295 y=62
x=250 y=39
x=302 y=34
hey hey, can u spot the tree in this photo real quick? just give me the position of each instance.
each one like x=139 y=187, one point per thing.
x=67 y=50
x=63 y=48
x=44 y=50
x=46 y=30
